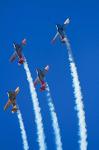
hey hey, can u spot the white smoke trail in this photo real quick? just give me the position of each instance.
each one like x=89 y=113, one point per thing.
x=54 y=120
x=36 y=108
x=23 y=132
x=79 y=100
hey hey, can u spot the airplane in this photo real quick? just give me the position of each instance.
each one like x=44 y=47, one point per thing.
x=61 y=31
x=40 y=77
x=18 y=52
x=12 y=100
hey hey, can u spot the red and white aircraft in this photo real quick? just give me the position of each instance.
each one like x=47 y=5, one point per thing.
x=40 y=77
x=18 y=52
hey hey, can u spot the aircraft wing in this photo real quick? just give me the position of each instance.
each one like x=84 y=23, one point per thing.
x=36 y=81
x=7 y=104
x=56 y=35
x=17 y=90
x=13 y=57
x=67 y=21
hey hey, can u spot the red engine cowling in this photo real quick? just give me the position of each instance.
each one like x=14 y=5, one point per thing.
x=43 y=87
x=21 y=61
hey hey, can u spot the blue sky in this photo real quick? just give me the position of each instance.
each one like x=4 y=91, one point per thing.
x=35 y=20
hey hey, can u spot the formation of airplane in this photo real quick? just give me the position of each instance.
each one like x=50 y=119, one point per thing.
x=18 y=52
x=40 y=73
x=12 y=100
x=40 y=77
x=61 y=31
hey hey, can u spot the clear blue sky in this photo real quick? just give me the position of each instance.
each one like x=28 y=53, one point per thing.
x=35 y=20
